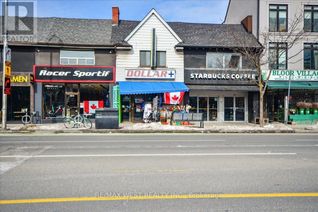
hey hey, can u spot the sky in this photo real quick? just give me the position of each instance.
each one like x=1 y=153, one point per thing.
x=198 y=11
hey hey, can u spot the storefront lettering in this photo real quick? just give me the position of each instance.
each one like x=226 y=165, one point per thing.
x=73 y=73
x=295 y=75
x=222 y=76
x=19 y=79
x=150 y=74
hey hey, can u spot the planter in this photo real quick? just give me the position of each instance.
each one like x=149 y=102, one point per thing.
x=301 y=111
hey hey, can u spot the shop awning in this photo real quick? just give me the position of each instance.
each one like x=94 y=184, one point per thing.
x=127 y=88
x=293 y=85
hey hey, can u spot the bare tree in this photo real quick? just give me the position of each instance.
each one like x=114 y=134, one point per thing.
x=260 y=57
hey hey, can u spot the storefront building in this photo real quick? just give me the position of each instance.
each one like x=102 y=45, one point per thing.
x=22 y=89
x=303 y=95
x=147 y=63
x=222 y=83
x=66 y=89
x=72 y=66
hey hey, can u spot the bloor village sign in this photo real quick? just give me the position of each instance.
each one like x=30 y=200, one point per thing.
x=293 y=75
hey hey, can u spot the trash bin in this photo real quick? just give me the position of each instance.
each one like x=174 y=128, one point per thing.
x=106 y=118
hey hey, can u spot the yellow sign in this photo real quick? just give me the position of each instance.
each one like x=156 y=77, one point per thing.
x=19 y=78
x=8 y=69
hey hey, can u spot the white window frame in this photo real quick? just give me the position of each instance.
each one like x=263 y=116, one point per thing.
x=223 y=58
x=77 y=58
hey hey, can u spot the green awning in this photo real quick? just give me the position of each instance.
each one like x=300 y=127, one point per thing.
x=293 y=85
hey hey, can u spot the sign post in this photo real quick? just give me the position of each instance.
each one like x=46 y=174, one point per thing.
x=117 y=101
x=6 y=58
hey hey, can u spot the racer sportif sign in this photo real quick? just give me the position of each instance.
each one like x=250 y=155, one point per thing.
x=44 y=73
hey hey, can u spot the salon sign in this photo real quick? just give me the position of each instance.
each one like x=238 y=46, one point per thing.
x=293 y=75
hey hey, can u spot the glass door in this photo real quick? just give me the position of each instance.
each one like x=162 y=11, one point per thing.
x=228 y=108
x=72 y=99
x=213 y=108
x=203 y=107
x=239 y=109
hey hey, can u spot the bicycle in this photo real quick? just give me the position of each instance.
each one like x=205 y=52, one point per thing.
x=78 y=121
x=27 y=119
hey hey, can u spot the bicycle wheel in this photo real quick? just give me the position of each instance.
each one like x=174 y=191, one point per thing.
x=68 y=122
x=26 y=119
x=87 y=123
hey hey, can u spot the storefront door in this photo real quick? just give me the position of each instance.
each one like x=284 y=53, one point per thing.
x=234 y=108
x=72 y=99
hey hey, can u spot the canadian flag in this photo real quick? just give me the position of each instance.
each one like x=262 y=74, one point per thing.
x=173 y=98
x=91 y=106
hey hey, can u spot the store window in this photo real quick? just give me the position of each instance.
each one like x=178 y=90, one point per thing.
x=53 y=100
x=224 y=60
x=311 y=18
x=208 y=106
x=77 y=57
x=278 y=55
x=311 y=56
x=278 y=18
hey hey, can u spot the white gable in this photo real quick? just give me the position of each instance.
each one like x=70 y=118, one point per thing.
x=155 y=21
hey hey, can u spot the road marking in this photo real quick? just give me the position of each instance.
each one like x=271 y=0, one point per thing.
x=155 y=155
x=156 y=197
x=306 y=139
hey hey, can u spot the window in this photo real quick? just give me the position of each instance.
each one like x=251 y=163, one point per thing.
x=278 y=55
x=77 y=57
x=311 y=18
x=311 y=56
x=223 y=60
x=161 y=59
x=145 y=58
x=278 y=18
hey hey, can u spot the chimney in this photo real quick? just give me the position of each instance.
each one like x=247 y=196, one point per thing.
x=248 y=23
x=115 y=19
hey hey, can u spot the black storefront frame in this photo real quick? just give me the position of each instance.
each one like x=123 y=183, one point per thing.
x=54 y=80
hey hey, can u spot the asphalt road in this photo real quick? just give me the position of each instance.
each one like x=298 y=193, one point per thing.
x=159 y=172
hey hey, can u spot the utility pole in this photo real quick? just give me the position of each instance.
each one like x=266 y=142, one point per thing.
x=5 y=46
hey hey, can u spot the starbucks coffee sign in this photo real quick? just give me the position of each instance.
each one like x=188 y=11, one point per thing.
x=293 y=75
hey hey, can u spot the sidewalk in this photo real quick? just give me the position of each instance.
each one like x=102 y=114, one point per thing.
x=210 y=127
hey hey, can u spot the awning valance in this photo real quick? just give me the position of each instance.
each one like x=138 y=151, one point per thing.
x=127 y=88
x=293 y=85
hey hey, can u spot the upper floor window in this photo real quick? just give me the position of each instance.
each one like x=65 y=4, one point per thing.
x=77 y=57
x=278 y=18
x=311 y=18
x=278 y=55
x=145 y=58
x=223 y=60
x=161 y=58
x=311 y=56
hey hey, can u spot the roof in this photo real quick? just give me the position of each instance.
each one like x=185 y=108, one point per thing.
x=71 y=31
x=100 y=32
x=145 y=19
x=196 y=34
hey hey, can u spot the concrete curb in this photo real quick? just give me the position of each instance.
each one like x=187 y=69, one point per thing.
x=123 y=131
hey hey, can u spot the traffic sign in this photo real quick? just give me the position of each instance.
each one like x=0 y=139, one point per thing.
x=7 y=86
x=8 y=69
x=8 y=54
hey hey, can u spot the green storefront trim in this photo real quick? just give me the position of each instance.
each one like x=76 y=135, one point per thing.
x=293 y=85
